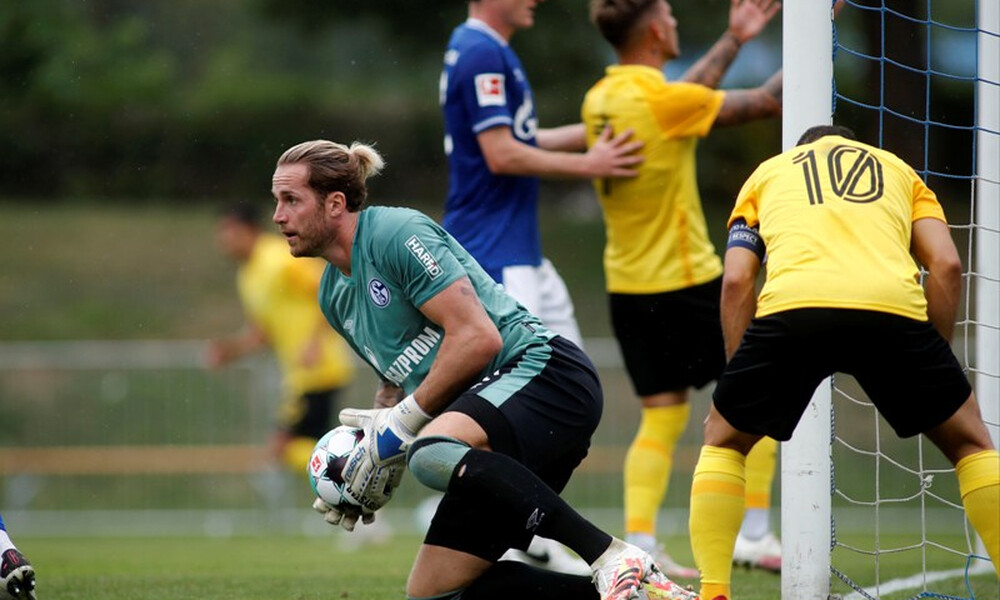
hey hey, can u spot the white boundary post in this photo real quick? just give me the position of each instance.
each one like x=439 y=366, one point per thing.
x=987 y=232
x=807 y=60
x=987 y=220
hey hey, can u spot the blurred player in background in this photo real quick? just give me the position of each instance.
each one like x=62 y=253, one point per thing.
x=663 y=275
x=278 y=294
x=17 y=576
x=496 y=154
x=838 y=221
x=493 y=409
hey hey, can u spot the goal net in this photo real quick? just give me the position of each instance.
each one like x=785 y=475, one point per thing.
x=870 y=515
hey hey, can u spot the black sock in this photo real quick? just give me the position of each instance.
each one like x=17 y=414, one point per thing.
x=508 y=579
x=499 y=477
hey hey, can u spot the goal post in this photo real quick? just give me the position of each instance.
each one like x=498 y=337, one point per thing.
x=987 y=220
x=987 y=215
x=811 y=546
x=807 y=62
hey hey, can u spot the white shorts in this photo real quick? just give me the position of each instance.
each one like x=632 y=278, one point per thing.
x=541 y=290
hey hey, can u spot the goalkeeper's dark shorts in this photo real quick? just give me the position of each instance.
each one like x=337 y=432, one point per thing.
x=670 y=341
x=545 y=424
x=904 y=366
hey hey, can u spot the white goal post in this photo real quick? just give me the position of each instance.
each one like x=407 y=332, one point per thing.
x=807 y=61
x=806 y=473
x=987 y=215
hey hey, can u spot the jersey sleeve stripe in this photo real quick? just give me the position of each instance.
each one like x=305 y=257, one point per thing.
x=492 y=122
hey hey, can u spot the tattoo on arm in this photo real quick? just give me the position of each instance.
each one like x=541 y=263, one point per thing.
x=710 y=69
x=741 y=106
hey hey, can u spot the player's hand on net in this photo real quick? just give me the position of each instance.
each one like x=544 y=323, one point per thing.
x=344 y=515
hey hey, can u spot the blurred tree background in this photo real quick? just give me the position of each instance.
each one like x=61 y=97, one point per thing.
x=111 y=107
x=193 y=99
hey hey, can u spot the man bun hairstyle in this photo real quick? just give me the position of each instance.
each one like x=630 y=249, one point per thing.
x=616 y=19
x=335 y=167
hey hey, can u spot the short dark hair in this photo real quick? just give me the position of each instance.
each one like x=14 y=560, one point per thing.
x=243 y=211
x=616 y=19
x=817 y=131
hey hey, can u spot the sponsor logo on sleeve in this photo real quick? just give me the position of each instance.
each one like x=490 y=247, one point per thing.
x=490 y=89
x=424 y=257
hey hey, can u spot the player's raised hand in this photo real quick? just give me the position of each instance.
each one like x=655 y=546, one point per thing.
x=614 y=155
x=747 y=18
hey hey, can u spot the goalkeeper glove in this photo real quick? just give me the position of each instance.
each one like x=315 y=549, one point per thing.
x=344 y=515
x=375 y=466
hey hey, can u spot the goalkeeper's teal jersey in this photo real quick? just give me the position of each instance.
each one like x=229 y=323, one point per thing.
x=400 y=260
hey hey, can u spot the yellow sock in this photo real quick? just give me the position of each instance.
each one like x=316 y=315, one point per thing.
x=297 y=452
x=979 y=483
x=648 y=463
x=717 y=503
x=760 y=473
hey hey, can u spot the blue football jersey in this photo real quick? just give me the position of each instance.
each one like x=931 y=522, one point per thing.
x=495 y=217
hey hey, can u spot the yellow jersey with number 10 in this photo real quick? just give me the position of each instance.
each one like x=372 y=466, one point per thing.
x=836 y=216
x=657 y=239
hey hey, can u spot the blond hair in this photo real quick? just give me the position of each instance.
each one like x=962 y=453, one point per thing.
x=335 y=167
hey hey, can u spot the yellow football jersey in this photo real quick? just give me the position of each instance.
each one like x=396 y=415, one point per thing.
x=657 y=239
x=280 y=295
x=836 y=216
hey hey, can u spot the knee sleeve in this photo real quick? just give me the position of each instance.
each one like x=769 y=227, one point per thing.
x=433 y=459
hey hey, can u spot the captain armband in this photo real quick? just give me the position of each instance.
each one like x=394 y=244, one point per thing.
x=742 y=235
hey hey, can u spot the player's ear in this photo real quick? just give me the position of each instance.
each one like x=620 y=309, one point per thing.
x=335 y=203
x=655 y=29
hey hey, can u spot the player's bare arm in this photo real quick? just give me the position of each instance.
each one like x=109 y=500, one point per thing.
x=742 y=106
x=567 y=138
x=747 y=19
x=932 y=245
x=471 y=341
x=610 y=156
x=223 y=351
x=739 y=296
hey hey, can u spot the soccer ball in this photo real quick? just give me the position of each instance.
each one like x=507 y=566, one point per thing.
x=327 y=464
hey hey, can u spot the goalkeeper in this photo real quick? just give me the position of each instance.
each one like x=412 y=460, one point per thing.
x=838 y=220
x=498 y=411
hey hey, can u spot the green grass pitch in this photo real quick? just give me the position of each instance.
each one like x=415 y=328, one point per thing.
x=302 y=568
